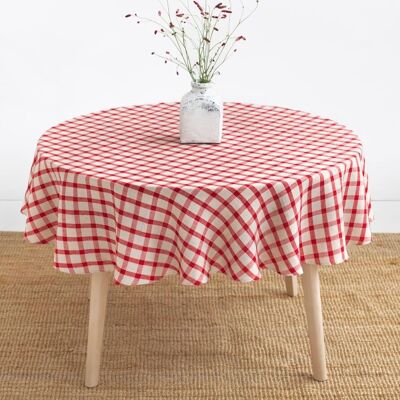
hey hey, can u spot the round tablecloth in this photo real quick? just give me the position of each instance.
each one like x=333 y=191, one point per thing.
x=116 y=191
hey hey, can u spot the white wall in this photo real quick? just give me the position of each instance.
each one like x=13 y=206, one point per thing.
x=339 y=59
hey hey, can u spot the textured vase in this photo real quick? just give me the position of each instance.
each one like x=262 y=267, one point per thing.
x=201 y=115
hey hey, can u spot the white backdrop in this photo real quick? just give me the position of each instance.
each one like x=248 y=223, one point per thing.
x=339 y=59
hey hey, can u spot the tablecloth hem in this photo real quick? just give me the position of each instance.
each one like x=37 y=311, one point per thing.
x=119 y=279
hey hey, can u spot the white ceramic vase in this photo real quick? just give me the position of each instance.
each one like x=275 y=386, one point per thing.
x=201 y=115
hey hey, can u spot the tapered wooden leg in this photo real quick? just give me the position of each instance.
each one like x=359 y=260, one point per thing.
x=99 y=283
x=312 y=302
x=292 y=288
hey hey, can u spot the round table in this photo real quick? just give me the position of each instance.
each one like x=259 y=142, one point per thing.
x=117 y=192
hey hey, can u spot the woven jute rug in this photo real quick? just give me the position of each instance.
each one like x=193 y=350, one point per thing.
x=223 y=340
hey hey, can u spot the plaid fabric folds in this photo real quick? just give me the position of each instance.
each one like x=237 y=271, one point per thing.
x=116 y=191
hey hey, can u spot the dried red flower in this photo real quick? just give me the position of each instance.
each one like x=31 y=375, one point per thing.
x=199 y=7
x=215 y=55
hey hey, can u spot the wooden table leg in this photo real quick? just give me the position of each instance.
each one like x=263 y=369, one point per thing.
x=99 y=283
x=292 y=288
x=312 y=302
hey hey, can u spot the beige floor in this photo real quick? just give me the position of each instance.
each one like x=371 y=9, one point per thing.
x=223 y=340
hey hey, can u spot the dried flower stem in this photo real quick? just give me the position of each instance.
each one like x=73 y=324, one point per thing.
x=201 y=34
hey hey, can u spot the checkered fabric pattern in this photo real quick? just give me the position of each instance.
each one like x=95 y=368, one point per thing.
x=116 y=191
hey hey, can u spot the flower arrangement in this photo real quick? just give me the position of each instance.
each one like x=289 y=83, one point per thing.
x=203 y=34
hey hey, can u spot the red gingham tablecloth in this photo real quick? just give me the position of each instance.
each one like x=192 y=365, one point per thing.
x=116 y=191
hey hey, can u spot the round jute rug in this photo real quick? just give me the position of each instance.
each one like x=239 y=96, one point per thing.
x=223 y=340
